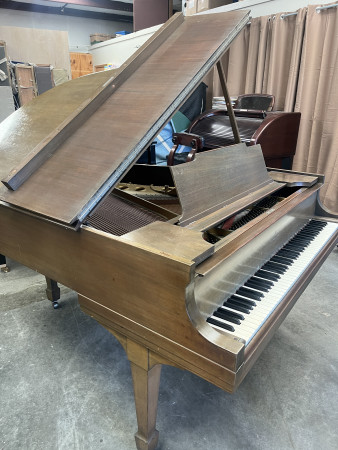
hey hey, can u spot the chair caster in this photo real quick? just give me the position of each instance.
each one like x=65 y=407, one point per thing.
x=5 y=269
x=56 y=305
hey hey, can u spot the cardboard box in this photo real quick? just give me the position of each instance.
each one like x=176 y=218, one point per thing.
x=204 y=5
x=99 y=37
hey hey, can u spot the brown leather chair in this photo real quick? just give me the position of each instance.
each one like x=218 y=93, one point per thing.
x=276 y=132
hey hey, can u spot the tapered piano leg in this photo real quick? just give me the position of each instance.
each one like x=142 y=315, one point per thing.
x=146 y=387
x=146 y=372
x=53 y=292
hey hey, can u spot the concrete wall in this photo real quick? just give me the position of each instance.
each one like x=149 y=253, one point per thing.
x=116 y=51
x=78 y=28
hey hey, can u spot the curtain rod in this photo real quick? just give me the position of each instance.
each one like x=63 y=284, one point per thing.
x=320 y=8
x=288 y=14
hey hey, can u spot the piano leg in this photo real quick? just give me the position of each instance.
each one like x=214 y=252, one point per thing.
x=146 y=372
x=53 y=292
x=3 y=264
x=146 y=380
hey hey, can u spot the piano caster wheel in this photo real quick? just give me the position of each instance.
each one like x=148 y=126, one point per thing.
x=56 y=305
x=5 y=269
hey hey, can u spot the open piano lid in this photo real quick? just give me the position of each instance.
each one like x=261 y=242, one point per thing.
x=63 y=152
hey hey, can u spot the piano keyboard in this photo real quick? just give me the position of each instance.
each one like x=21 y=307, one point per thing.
x=244 y=312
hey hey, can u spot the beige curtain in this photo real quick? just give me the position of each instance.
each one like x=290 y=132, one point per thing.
x=317 y=99
x=263 y=58
x=295 y=58
x=298 y=36
x=245 y=60
x=236 y=57
x=283 y=53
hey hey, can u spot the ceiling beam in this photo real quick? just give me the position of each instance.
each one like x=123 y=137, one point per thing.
x=19 y=6
x=106 y=4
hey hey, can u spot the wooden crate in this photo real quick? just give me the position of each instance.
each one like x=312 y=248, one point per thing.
x=99 y=68
x=25 y=80
x=81 y=64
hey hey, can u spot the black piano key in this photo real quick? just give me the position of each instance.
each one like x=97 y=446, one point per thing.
x=287 y=254
x=305 y=234
x=262 y=283
x=316 y=224
x=225 y=316
x=312 y=224
x=249 y=293
x=274 y=267
x=257 y=286
x=236 y=306
x=263 y=280
x=267 y=274
x=297 y=247
x=292 y=249
x=282 y=260
x=247 y=303
x=315 y=221
x=221 y=324
x=233 y=314
x=300 y=241
x=312 y=228
x=308 y=228
x=309 y=233
x=293 y=253
x=267 y=283
x=299 y=238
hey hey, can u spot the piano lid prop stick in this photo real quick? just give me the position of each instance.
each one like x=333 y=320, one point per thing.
x=228 y=103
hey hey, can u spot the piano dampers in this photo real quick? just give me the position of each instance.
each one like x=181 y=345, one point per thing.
x=119 y=216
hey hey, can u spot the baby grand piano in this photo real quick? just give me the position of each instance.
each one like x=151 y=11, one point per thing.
x=193 y=265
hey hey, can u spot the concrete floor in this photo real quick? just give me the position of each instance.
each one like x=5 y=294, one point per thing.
x=65 y=382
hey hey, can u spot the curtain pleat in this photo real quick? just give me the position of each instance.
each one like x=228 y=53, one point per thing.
x=317 y=100
x=282 y=65
x=295 y=58
x=236 y=57
x=298 y=38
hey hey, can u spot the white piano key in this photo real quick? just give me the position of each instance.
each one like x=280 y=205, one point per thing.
x=270 y=300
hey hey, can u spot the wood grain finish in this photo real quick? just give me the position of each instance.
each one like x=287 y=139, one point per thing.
x=293 y=179
x=150 y=284
x=228 y=104
x=38 y=155
x=26 y=83
x=205 y=203
x=278 y=135
x=276 y=132
x=105 y=145
x=248 y=232
x=81 y=64
x=172 y=240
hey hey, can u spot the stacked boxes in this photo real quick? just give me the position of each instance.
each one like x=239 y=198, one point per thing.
x=99 y=37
